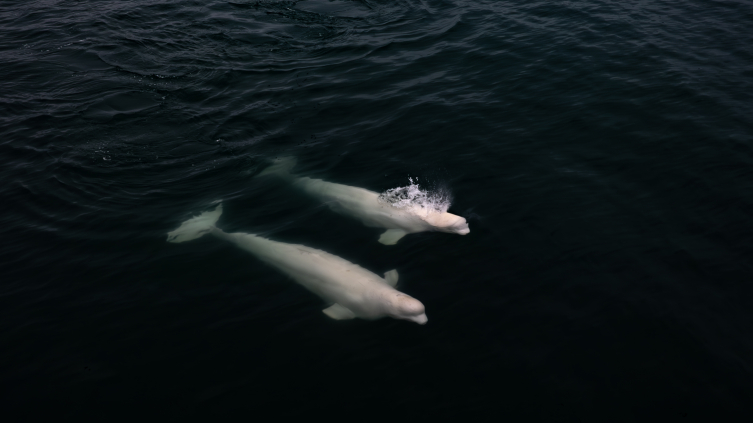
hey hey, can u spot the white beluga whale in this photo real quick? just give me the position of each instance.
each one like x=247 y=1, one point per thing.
x=352 y=290
x=401 y=211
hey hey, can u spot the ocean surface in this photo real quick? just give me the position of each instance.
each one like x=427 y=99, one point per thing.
x=601 y=151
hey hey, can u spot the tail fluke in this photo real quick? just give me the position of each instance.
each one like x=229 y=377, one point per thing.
x=196 y=226
x=281 y=167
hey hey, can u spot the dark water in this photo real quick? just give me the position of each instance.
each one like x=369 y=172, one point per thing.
x=602 y=152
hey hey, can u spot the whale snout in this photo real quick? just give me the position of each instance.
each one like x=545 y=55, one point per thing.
x=421 y=319
x=409 y=308
x=461 y=227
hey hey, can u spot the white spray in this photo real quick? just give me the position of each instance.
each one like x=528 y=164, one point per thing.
x=438 y=199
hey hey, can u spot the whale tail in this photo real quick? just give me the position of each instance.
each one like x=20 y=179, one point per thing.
x=281 y=167
x=195 y=227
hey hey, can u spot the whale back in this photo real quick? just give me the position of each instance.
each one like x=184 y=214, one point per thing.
x=333 y=278
x=334 y=191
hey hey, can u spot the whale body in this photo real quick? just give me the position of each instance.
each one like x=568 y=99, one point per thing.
x=352 y=290
x=365 y=206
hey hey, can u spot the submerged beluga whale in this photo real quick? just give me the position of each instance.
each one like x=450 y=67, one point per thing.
x=370 y=208
x=353 y=290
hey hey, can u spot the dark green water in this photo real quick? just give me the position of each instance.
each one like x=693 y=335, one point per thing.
x=601 y=151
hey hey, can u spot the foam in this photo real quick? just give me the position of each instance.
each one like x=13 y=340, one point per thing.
x=438 y=199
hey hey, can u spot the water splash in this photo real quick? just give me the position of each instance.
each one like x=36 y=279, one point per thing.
x=437 y=199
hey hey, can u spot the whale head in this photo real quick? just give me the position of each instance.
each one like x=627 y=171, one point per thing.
x=406 y=307
x=448 y=222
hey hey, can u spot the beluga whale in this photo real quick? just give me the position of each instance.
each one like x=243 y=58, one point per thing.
x=401 y=211
x=352 y=290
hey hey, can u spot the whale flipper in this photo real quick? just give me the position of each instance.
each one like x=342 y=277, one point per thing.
x=195 y=227
x=391 y=277
x=338 y=312
x=392 y=236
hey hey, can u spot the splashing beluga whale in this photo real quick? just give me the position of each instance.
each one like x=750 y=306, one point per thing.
x=353 y=290
x=401 y=211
